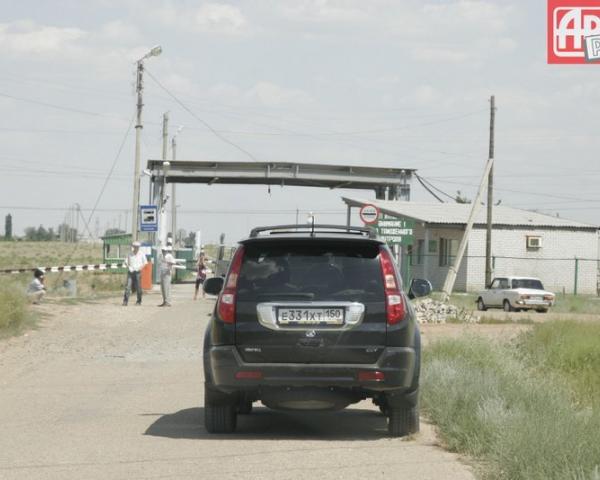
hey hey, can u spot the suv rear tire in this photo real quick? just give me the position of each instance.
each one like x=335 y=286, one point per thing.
x=220 y=411
x=244 y=407
x=403 y=421
x=220 y=418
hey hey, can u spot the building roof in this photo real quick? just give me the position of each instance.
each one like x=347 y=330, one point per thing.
x=458 y=214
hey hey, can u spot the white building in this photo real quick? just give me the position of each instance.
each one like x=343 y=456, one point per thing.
x=562 y=253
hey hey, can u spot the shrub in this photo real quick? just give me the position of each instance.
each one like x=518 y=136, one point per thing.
x=13 y=309
x=570 y=349
x=519 y=424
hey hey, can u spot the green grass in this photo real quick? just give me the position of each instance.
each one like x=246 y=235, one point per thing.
x=14 y=314
x=571 y=350
x=47 y=254
x=577 y=304
x=485 y=320
x=517 y=421
x=586 y=304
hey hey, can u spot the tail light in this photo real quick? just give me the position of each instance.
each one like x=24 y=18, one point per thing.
x=226 y=305
x=394 y=303
x=249 y=375
x=371 y=376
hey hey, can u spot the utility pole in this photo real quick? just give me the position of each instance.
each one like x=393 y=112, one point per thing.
x=165 y=135
x=162 y=197
x=77 y=215
x=138 y=135
x=173 y=201
x=490 y=197
x=453 y=270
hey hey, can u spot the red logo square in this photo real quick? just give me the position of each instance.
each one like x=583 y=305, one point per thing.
x=572 y=26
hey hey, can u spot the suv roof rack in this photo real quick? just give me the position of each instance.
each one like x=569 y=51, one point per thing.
x=313 y=229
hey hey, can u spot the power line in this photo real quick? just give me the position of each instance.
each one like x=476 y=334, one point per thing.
x=435 y=188
x=538 y=194
x=189 y=211
x=57 y=107
x=111 y=169
x=203 y=122
x=427 y=188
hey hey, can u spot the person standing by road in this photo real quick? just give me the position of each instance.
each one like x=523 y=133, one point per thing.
x=134 y=262
x=200 y=275
x=36 y=289
x=167 y=263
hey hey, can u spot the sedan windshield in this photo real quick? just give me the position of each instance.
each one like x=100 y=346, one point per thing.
x=527 y=283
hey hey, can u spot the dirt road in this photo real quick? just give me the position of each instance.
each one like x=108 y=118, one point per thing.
x=106 y=392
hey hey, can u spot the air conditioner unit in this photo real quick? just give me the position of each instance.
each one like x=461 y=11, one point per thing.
x=534 y=242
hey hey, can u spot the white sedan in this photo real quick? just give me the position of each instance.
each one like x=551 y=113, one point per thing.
x=514 y=294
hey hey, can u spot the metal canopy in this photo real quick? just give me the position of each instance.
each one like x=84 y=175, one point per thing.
x=393 y=180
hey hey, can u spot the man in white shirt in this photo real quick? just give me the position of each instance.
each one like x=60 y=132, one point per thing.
x=134 y=262
x=167 y=263
x=36 y=289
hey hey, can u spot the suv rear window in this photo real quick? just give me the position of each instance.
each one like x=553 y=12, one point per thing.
x=527 y=283
x=304 y=271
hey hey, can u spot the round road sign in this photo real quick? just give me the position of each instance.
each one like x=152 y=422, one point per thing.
x=369 y=214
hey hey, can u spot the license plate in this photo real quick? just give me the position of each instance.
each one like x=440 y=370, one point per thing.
x=310 y=316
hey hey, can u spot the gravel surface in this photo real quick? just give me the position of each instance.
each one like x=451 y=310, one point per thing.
x=100 y=391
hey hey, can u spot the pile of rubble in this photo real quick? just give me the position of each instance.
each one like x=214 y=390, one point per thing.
x=432 y=311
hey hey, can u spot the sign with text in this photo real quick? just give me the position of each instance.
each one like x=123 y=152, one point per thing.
x=573 y=31
x=396 y=231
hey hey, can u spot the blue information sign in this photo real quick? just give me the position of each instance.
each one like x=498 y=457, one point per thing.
x=148 y=218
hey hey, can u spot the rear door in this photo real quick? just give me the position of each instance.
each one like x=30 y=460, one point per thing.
x=310 y=301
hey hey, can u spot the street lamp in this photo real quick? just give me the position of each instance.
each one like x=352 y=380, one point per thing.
x=155 y=51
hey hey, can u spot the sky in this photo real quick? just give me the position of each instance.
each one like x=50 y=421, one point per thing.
x=383 y=83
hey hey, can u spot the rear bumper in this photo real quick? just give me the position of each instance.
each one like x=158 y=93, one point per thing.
x=396 y=363
x=527 y=303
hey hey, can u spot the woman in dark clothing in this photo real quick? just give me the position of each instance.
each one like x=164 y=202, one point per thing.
x=200 y=275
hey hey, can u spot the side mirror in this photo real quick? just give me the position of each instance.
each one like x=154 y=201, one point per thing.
x=213 y=286
x=419 y=287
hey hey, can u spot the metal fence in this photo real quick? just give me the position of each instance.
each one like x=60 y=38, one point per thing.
x=569 y=275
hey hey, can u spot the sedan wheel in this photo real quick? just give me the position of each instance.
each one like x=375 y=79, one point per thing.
x=480 y=305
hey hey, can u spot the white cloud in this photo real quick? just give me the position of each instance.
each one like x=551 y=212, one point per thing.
x=325 y=11
x=425 y=95
x=26 y=37
x=272 y=95
x=217 y=18
x=119 y=31
x=426 y=53
x=220 y=18
x=263 y=93
x=470 y=14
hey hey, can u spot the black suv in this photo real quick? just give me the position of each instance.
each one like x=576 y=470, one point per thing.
x=312 y=318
